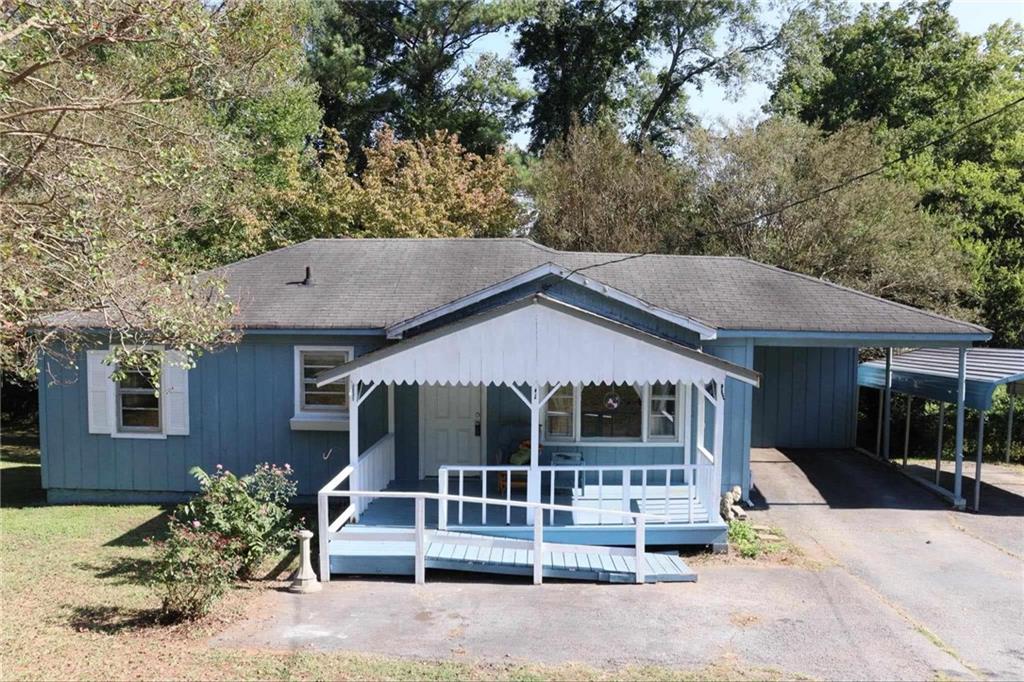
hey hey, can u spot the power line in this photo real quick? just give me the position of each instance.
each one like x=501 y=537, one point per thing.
x=832 y=188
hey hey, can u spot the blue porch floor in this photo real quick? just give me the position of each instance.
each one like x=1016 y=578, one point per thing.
x=584 y=529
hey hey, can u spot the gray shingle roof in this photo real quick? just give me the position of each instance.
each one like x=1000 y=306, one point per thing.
x=373 y=283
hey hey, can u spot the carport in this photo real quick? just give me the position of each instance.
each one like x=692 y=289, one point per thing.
x=964 y=377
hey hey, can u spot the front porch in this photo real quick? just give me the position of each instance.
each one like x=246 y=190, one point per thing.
x=622 y=451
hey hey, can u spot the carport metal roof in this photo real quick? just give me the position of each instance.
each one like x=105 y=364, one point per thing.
x=931 y=373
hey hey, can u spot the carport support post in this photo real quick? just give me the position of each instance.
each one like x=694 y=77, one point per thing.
x=1009 y=424
x=977 y=460
x=887 y=405
x=961 y=398
x=906 y=431
x=938 y=447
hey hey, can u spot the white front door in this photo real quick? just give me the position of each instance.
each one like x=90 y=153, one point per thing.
x=451 y=427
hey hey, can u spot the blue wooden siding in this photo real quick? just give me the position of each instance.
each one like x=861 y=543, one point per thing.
x=806 y=399
x=240 y=401
x=738 y=401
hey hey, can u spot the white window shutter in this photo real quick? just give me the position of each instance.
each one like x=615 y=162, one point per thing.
x=100 y=389
x=174 y=394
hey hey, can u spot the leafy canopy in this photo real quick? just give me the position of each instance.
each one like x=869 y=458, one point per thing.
x=122 y=126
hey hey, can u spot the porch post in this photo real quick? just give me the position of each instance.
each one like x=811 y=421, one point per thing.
x=938 y=447
x=887 y=405
x=533 y=478
x=353 y=444
x=961 y=398
x=719 y=437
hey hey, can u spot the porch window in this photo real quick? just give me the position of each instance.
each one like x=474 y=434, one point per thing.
x=610 y=411
x=138 y=402
x=662 y=422
x=561 y=414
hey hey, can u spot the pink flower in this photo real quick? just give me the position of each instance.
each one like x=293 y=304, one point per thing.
x=196 y=524
x=220 y=466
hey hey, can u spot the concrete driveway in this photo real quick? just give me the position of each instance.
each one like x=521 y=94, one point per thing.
x=896 y=587
x=957 y=576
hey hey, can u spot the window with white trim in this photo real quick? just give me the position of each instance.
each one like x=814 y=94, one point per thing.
x=620 y=412
x=561 y=417
x=138 y=401
x=662 y=417
x=330 y=398
x=610 y=412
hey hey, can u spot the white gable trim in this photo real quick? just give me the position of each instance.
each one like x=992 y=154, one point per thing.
x=706 y=332
x=537 y=340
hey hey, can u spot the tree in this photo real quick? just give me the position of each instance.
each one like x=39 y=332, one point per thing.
x=580 y=53
x=690 y=43
x=404 y=64
x=433 y=187
x=631 y=61
x=123 y=126
x=870 y=235
x=595 y=192
x=911 y=69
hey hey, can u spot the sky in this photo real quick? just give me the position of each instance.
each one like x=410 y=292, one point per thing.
x=714 y=105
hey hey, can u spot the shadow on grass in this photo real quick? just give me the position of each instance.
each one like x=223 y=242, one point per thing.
x=155 y=528
x=113 y=620
x=21 y=486
x=121 y=571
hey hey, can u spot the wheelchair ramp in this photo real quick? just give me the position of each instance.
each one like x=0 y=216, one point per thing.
x=390 y=551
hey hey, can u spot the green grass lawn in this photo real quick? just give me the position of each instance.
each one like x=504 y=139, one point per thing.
x=74 y=605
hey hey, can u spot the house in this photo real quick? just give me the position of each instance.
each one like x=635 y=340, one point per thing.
x=422 y=368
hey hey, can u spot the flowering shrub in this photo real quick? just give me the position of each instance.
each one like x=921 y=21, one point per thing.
x=250 y=511
x=193 y=569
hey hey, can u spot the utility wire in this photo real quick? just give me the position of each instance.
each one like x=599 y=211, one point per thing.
x=832 y=188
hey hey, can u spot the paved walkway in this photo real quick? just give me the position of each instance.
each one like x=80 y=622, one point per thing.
x=958 y=576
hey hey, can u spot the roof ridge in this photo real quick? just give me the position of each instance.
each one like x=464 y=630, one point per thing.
x=255 y=257
x=864 y=294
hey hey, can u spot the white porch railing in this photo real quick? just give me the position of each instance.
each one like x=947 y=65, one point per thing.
x=376 y=468
x=330 y=530
x=649 y=485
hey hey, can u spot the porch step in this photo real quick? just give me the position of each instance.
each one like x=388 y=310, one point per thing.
x=390 y=551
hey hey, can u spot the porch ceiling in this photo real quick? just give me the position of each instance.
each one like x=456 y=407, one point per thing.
x=537 y=341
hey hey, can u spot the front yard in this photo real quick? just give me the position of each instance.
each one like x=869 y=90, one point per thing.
x=75 y=606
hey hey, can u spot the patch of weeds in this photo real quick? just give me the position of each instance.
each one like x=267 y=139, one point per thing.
x=754 y=541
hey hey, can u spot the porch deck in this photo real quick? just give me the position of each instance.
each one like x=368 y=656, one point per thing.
x=583 y=527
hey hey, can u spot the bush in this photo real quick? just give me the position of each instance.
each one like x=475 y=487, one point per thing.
x=251 y=512
x=194 y=568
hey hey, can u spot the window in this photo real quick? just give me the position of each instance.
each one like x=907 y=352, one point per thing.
x=561 y=413
x=662 y=421
x=614 y=412
x=138 y=403
x=610 y=411
x=330 y=398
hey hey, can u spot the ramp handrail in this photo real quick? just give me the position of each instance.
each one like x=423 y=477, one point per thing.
x=328 y=529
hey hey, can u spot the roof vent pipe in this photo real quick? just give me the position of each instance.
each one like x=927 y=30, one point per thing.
x=308 y=281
